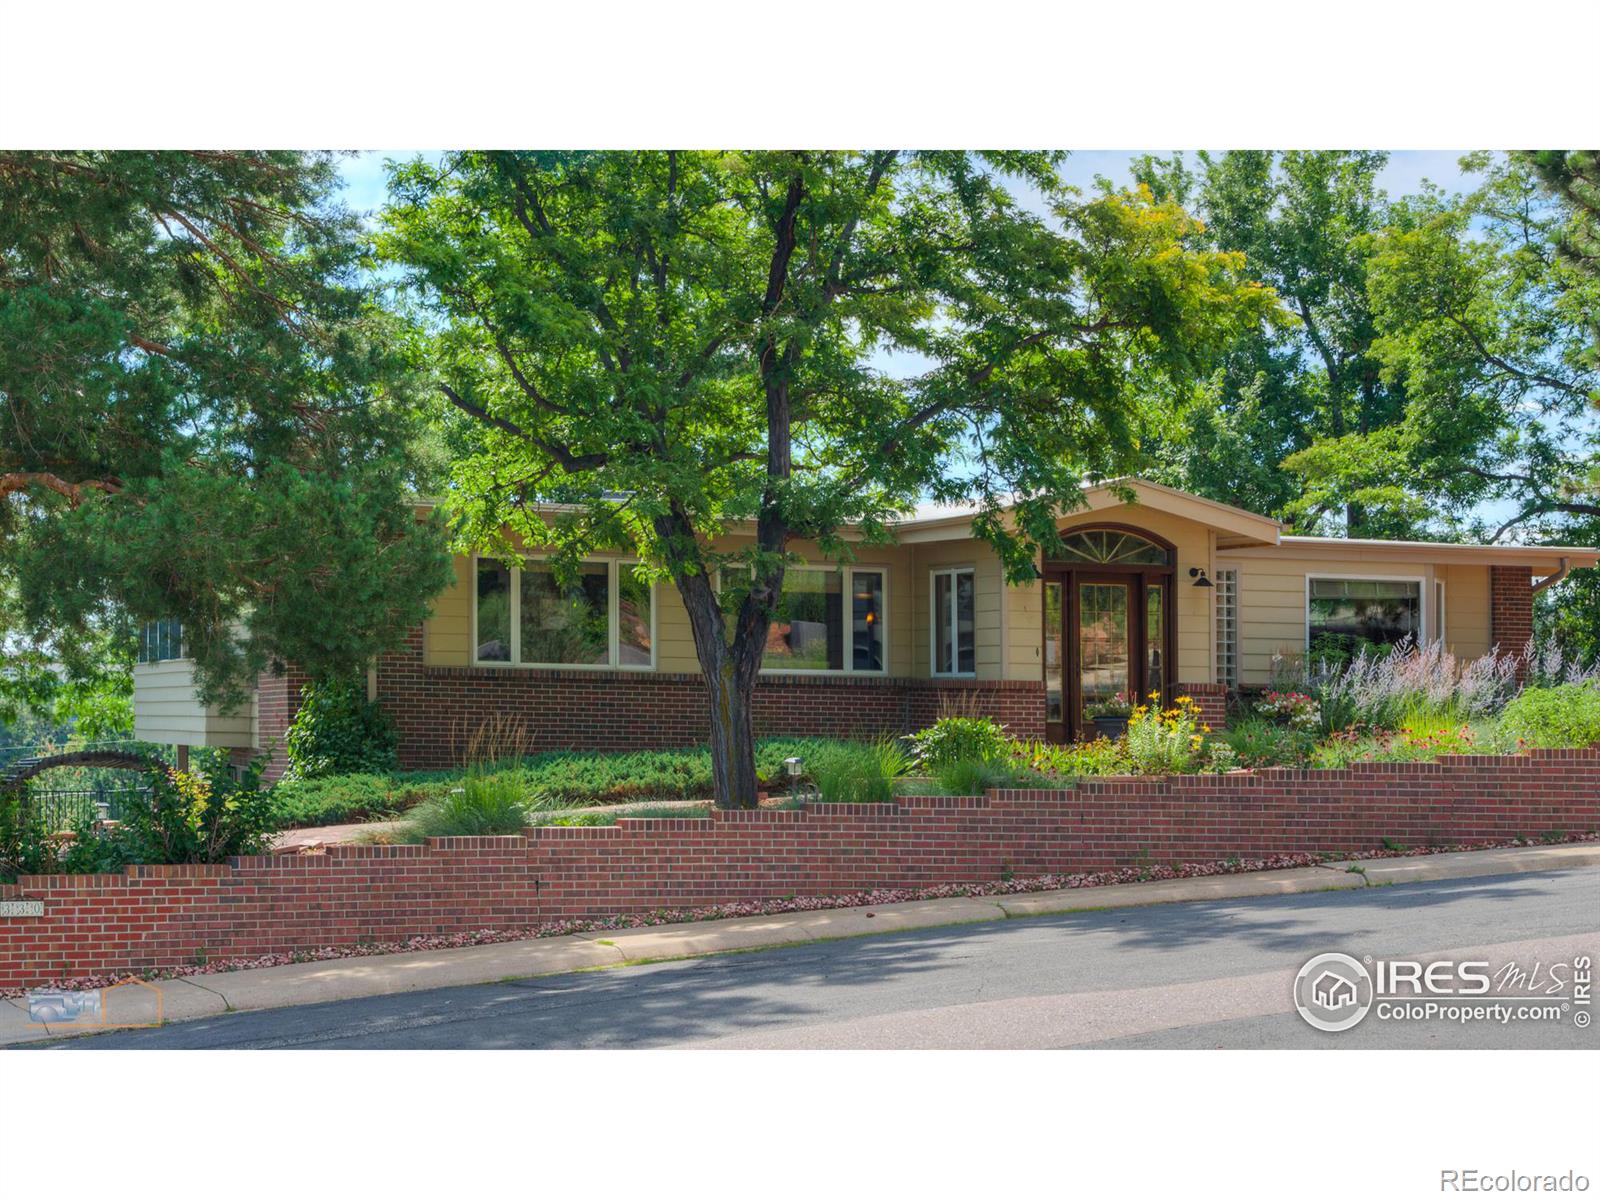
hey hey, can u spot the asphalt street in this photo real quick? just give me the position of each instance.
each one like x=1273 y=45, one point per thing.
x=1201 y=975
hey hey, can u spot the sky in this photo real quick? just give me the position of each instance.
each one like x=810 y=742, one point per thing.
x=1405 y=171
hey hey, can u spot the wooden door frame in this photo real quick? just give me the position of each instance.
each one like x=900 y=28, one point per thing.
x=1140 y=576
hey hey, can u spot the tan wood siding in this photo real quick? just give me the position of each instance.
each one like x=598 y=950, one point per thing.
x=447 y=634
x=1272 y=603
x=167 y=710
x=1466 y=609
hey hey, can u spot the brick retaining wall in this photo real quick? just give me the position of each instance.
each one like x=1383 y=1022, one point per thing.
x=173 y=916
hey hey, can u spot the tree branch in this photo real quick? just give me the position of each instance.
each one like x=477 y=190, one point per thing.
x=17 y=481
x=571 y=463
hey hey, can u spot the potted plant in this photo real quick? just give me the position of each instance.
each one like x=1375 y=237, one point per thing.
x=1110 y=714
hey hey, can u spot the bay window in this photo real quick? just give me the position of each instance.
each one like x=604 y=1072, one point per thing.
x=527 y=616
x=953 y=624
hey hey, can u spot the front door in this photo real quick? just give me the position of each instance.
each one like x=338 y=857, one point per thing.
x=1104 y=634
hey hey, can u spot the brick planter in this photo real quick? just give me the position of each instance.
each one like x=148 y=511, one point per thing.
x=151 y=917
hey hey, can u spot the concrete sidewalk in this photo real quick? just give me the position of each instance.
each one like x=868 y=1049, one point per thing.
x=199 y=996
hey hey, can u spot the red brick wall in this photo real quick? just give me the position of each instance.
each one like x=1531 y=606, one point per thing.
x=172 y=916
x=437 y=708
x=1510 y=610
x=1212 y=699
x=277 y=700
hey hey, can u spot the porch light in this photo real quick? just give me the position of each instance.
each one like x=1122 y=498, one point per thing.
x=1198 y=574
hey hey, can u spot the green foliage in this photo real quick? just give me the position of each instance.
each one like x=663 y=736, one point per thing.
x=563 y=778
x=26 y=847
x=1564 y=716
x=856 y=773
x=196 y=818
x=203 y=414
x=1256 y=742
x=483 y=805
x=974 y=777
x=1573 y=178
x=706 y=333
x=342 y=799
x=54 y=690
x=1067 y=761
x=201 y=816
x=1444 y=350
x=959 y=739
x=1164 y=741
x=1491 y=334
x=338 y=731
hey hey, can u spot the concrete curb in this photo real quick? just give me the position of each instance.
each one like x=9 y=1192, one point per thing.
x=199 y=996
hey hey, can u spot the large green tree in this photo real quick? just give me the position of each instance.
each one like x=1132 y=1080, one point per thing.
x=202 y=414
x=1488 y=330
x=683 y=344
x=1298 y=395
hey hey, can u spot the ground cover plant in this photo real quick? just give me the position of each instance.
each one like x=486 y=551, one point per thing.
x=859 y=773
x=561 y=778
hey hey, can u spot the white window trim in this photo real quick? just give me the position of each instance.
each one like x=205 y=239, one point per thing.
x=933 y=628
x=1422 y=599
x=613 y=620
x=846 y=593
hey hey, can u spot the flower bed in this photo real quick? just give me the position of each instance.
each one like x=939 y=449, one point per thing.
x=169 y=917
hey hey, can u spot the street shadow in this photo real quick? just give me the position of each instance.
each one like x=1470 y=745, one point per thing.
x=631 y=1007
x=699 y=999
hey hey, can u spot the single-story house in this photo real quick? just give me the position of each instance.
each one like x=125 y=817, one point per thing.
x=1171 y=594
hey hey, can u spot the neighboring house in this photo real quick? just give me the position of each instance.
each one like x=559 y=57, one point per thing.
x=1171 y=594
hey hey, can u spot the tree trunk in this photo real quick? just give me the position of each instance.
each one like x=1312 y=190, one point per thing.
x=730 y=673
x=733 y=746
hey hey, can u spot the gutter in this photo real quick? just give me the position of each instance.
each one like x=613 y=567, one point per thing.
x=1561 y=573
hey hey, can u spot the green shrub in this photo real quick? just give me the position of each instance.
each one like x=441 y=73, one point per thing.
x=970 y=778
x=853 y=773
x=1567 y=716
x=338 y=731
x=959 y=739
x=26 y=847
x=191 y=817
x=1064 y=761
x=484 y=805
x=1257 y=742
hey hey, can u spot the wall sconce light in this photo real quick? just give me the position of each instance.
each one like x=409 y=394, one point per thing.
x=1198 y=574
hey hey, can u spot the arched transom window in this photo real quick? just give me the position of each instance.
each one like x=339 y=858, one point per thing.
x=1112 y=546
